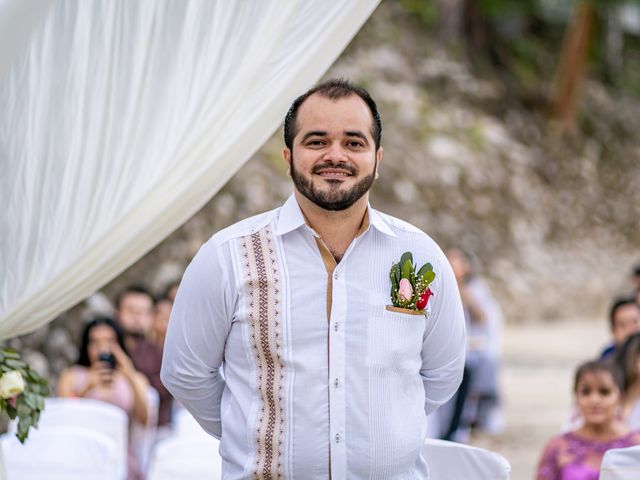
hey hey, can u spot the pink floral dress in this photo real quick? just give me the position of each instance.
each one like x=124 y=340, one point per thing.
x=571 y=457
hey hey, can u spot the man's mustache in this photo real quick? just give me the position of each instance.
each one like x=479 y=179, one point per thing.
x=347 y=167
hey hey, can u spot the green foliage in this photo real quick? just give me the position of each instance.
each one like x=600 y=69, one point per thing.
x=498 y=8
x=424 y=10
x=30 y=402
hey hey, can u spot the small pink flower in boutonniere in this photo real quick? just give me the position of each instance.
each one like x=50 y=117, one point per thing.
x=405 y=290
x=410 y=288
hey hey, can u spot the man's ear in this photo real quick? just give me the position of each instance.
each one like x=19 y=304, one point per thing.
x=286 y=155
x=378 y=160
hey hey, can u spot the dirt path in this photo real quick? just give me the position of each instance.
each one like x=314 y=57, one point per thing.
x=536 y=377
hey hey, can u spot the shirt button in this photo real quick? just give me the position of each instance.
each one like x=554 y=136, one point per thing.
x=338 y=438
x=336 y=383
x=335 y=326
x=335 y=276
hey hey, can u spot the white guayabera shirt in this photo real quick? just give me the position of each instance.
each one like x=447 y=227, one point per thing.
x=320 y=380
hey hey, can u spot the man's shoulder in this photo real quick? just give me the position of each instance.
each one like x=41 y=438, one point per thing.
x=245 y=227
x=401 y=227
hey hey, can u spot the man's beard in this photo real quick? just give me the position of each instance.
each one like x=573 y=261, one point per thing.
x=335 y=199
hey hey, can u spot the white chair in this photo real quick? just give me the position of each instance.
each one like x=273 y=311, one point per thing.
x=456 y=461
x=92 y=415
x=621 y=464
x=143 y=437
x=186 y=458
x=62 y=453
x=190 y=454
x=185 y=425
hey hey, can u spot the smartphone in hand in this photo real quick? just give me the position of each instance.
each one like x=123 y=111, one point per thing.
x=107 y=357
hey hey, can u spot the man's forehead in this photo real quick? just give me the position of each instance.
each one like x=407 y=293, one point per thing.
x=135 y=297
x=630 y=310
x=319 y=108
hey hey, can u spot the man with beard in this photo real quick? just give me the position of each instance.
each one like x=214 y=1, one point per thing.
x=319 y=380
x=135 y=312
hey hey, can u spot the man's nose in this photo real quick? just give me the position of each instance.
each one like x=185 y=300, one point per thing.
x=335 y=153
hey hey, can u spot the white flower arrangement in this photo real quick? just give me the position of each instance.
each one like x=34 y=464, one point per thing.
x=22 y=391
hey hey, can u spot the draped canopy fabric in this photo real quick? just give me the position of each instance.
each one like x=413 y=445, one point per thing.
x=120 y=119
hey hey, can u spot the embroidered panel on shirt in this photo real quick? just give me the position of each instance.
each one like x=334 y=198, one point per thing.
x=260 y=266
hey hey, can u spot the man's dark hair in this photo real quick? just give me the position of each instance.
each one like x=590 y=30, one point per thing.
x=636 y=270
x=627 y=359
x=83 y=357
x=137 y=289
x=334 y=90
x=617 y=303
x=597 y=367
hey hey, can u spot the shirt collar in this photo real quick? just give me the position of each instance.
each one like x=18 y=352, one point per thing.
x=291 y=218
x=377 y=221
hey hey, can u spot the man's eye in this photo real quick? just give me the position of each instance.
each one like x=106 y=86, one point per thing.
x=355 y=144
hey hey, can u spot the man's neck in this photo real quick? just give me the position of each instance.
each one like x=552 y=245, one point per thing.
x=336 y=229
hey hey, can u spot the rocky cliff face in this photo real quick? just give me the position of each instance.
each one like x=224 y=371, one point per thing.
x=552 y=221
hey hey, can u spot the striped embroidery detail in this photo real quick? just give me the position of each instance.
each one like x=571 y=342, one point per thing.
x=263 y=283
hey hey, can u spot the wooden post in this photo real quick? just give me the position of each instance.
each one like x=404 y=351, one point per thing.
x=573 y=59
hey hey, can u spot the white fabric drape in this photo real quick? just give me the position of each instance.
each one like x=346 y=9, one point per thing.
x=18 y=20
x=123 y=118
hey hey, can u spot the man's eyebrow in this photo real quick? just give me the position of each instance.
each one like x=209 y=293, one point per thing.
x=314 y=133
x=356 y=133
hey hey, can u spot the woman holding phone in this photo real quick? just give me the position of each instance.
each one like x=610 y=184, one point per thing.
x=105 y=372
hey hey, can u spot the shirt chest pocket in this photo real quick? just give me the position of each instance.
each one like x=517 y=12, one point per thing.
x=395 y=340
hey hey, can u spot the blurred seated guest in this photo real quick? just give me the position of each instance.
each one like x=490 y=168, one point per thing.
x=171 y=290
x=577 y=455
x=477 y=401
x=635 y=278
x=624 y=320
x=135 y=309
x=105 y=372
x=628 y=359
x=161 y=320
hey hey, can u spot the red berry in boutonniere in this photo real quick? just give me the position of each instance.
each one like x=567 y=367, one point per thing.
x=421 y=304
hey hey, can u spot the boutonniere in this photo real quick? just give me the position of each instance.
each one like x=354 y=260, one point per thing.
x=410 y=290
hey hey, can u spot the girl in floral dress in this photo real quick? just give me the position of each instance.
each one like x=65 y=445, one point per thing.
x=577 y=455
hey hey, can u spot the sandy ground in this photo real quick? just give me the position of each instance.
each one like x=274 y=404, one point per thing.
x=536 y=378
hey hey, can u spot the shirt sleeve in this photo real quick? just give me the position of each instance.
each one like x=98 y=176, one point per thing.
x=198 y=328
x=444 y=342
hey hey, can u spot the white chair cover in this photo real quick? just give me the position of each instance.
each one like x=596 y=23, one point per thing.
x=191 y=457
x=87 y=414
x=143 y=437
x=62 y=453
x=455 y=461
x=621 y=464
x=185 y=425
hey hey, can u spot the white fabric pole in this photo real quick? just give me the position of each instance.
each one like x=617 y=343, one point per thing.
x=124 y=118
